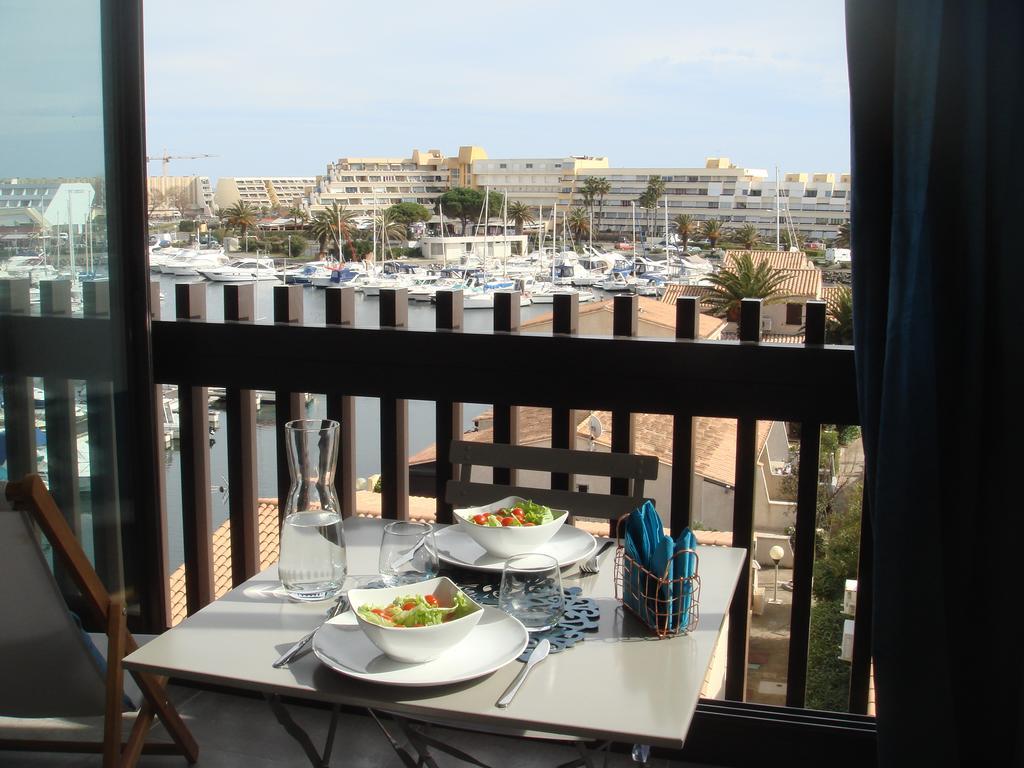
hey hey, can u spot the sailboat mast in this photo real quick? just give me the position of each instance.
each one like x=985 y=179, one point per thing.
x=778 y=242
x=444 y=245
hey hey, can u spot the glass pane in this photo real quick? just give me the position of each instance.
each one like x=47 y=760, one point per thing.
x=61 y=408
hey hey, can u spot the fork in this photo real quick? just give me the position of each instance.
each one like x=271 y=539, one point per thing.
x=293 y=653
x=592 y=565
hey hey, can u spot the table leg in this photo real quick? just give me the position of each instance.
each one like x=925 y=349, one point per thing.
x=296 y=731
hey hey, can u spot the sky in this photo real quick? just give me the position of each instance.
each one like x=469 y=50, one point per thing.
x=274 y=88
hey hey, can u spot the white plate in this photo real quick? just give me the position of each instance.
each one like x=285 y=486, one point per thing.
x=493 y=643
x=455 y=546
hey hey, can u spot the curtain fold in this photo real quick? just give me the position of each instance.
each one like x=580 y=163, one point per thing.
x=938 y=197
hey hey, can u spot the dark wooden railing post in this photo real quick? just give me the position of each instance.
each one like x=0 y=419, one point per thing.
x=243 y=511
x=625 y=324
x=288 y=406
x=194 y=444
x=394 y=421
x=103 y=481
x=19 y=406
x=506 y=416
x=806 y=514
x=743 y=524
x=61 y=426
x=448 y=414
x=162 y=609
x=565 y=321
x=684 y=449
x=340 y=311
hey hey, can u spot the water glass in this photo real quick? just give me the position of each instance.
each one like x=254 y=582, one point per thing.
x=408 y=553
x=531 y=591
x=313 y=562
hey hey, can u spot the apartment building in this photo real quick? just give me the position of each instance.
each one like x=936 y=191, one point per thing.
x=367 y=184
x=276 y=193
x=537 y=181
x=816 y=203
x=180 y=196
x=44 y=203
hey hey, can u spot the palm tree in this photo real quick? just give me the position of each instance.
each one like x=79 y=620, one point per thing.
x=839 y=322
x=601 y=187
x=332 y=223
x=743 y=279
x=649 y=200
x=685 y=226
x=748 y=236
x=298 y=216
x=578 y=222
x=842 y=238
x=389 y=228
x=241 y=215
x=519 y=214
x=712 y=230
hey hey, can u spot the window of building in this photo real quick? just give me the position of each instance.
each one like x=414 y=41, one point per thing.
x=794 y=313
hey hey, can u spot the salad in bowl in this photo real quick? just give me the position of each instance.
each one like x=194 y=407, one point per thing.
x=414 y=623
x=510 y=526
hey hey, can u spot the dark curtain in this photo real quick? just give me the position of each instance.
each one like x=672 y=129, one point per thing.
x=937 y=208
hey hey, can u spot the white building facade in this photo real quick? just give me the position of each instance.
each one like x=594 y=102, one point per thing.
x=46 y=203
x=275 y=193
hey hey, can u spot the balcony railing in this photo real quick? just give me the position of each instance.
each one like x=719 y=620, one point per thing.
x=810 y=384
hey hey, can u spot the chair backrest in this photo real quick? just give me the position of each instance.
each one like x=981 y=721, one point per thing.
x=46 y=665
x=464 y=492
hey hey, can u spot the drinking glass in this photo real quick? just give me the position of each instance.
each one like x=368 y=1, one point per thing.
x=531 y=591
x=408 y=553
x=313 y=561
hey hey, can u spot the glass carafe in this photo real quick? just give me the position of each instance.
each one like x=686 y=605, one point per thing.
x=313 y=562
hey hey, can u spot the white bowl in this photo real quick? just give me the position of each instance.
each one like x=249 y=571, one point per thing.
x=513 y=540
x=415 y=644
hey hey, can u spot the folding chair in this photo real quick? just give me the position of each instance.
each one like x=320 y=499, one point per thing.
x=48 y=665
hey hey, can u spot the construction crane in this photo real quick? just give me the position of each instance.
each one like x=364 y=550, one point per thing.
x=165 y=159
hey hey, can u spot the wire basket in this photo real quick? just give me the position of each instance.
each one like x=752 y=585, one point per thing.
x=668 y=606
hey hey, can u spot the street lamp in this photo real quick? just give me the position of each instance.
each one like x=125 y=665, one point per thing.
x=289 y=246
x=776 y=553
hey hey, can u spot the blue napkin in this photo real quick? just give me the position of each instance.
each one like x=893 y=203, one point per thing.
x=659 y=601
x=683 y=592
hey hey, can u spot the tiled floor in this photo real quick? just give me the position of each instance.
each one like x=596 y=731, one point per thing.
x=241 y=732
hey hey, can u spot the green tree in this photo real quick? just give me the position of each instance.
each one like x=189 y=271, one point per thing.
x=298 y=246
x=332 y=223
x=743 y=279
x=464 y=204
x=389 y=228
x=600 y=187
x=712 y=230
x=409 y=213
x=240 y=216
x=356 y=250
x=578 y=222
x=591 y=192
x=747 y=236
x=686 y=227
x=839 y=320
x=842 y=238
x=298 y=216
x=784 y=237
x=520 y=214
x=650 y=198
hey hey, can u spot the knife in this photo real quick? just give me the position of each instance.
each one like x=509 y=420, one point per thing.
x=537 y=655
x=294 y=651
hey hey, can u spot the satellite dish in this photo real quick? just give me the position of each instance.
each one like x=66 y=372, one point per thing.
x=595 y=427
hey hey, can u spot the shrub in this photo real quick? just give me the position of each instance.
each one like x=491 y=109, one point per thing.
x=828 y=677
x=848 y=434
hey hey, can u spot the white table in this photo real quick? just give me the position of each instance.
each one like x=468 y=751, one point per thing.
x=621 y=685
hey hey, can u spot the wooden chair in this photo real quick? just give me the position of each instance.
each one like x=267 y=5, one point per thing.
x=463 y=492
x=47 y=665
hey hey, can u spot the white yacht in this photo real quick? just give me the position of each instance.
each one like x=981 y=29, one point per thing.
x=544 y=293
x=189 y=263
x=35 y=268
x=242 y=271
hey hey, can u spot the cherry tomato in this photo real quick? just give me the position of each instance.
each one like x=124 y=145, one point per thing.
x=480 y=519
x=431 y=600
x=507 y=521
x=378 y=611
x=517 y=511
x=409 y=605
